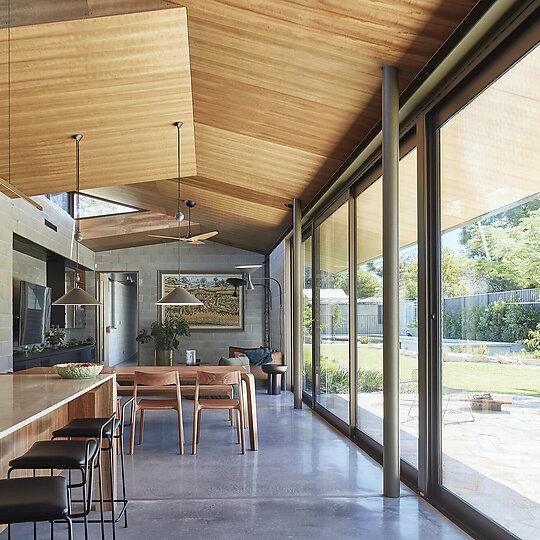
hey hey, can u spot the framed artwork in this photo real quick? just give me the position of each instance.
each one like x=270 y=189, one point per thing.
x=221 y=311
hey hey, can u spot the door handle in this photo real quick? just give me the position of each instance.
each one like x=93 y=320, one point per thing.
x=108 y=329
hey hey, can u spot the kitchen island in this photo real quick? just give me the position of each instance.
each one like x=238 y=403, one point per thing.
x=33 y=406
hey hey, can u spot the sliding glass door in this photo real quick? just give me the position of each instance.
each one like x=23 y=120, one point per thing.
x=307 y=316
x=332 y=301
x=490 y=283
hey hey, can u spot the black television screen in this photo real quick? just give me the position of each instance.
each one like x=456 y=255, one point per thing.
x=35 y=313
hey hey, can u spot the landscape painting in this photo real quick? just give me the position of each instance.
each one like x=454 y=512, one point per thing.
x=220 y=310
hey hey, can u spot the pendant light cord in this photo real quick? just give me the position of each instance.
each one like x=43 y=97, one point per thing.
x=77 y=229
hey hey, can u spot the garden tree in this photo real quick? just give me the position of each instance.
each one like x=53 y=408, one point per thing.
x=308 y=318
x=511 y=252
x=366 y=284
x=336 y=317
x=454 y=270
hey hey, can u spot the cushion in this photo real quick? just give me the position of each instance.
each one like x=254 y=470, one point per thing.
x=259 y=357
x=240 y=360
x=86 y=427
x=33 y=499
x=57 y=454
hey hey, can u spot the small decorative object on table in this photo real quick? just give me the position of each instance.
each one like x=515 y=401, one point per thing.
x=191 y=357
x=78 y=370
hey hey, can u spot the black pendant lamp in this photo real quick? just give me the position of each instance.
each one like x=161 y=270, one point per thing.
x=77 y=296
x=179 y=296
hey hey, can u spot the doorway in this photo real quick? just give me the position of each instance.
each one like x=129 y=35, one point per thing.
x=117 y=323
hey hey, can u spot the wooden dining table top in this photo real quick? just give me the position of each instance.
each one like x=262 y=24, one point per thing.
x=187 y=373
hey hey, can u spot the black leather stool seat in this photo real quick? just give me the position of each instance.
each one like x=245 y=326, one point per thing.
x=33 y=499
x=55 y=455
x=86 y=427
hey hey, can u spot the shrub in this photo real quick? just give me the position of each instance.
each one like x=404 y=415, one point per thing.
x=369 y=380
x=533 y=340
x=498 y=321
x=466 y=348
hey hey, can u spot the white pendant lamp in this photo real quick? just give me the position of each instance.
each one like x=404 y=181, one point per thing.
x=77 y=296
x=179 y=296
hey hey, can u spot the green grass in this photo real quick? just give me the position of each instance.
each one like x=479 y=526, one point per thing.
x=478 y=377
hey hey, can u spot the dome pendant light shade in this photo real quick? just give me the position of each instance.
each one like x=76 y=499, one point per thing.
x=179 y=296
x=77 y=296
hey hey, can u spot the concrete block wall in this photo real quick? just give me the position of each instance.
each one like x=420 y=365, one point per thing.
x=122 y=337
x=21 y=218
x=210 y=257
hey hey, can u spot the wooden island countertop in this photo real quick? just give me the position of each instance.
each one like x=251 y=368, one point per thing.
x=27 y=398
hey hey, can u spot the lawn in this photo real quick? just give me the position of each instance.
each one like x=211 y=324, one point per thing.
x=474 y=377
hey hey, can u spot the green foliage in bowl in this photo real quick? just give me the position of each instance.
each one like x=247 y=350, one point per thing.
x=78 y=370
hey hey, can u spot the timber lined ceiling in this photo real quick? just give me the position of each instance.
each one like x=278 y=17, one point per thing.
x=280 y=93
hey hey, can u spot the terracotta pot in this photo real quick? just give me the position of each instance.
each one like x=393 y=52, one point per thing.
x=164 y=358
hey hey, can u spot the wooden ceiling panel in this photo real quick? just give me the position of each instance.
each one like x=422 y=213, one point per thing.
x=282 y=92
x=121 y=81
x=249 y=161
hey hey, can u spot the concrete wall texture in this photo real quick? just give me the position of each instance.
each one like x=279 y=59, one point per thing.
x=21 y=218
x=210 y=257
x=122 y=344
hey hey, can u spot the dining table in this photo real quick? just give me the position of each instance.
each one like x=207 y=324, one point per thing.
x=125 y=376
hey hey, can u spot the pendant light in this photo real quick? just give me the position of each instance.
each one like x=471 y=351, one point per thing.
x=77 y=296
x=179 y=296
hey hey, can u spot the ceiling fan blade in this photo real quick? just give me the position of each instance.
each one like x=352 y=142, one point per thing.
x=160 y=236
x=195 y=242
x=204 y=236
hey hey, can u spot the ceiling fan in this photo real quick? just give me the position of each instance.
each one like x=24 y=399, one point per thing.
x=189 y=238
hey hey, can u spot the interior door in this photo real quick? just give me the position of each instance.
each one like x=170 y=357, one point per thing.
x=103 y=323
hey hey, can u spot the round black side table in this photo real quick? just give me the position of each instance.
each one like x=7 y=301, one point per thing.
x=274 y=372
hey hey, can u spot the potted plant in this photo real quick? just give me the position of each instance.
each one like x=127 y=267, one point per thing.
x=55 y=337
x=165 y=337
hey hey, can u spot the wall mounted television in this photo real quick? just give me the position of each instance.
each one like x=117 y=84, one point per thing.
x=34 y=313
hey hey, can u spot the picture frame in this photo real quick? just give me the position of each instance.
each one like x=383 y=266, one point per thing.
x=220 y=311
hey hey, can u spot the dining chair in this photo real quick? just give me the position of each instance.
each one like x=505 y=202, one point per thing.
x=143 y=378
x=211 y=378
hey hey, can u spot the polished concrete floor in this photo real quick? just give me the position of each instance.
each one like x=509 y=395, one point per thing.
x=306 y=481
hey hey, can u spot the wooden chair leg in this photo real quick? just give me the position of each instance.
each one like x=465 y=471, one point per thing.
x=241 y=413
x=132 y=437
x=245 y=405
x=238 y=425
x=180 y=432
x=231 y=417
x=199 y=426
x=141 y=426
x=194 y=444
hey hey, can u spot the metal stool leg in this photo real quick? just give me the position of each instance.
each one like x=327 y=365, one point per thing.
x=122 y=466
x=111 y=476
x=100 y=487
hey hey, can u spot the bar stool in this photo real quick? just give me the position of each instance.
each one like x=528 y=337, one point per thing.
x=110 y=429
x=64 y=455
x=23 y=500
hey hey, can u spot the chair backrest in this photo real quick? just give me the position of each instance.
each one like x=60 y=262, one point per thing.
x=211 y=378
x=207 y=377
x=156 y=378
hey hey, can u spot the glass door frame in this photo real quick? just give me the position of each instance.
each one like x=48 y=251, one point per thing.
x=309 y=233
x=494 y=63
x=339 y=423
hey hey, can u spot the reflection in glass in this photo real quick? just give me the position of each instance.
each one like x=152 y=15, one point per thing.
x=307 y=316
x=333 y=282
x=490 y=260
x=369 y=322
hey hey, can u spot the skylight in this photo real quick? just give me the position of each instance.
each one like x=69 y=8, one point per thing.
x=94 y=207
